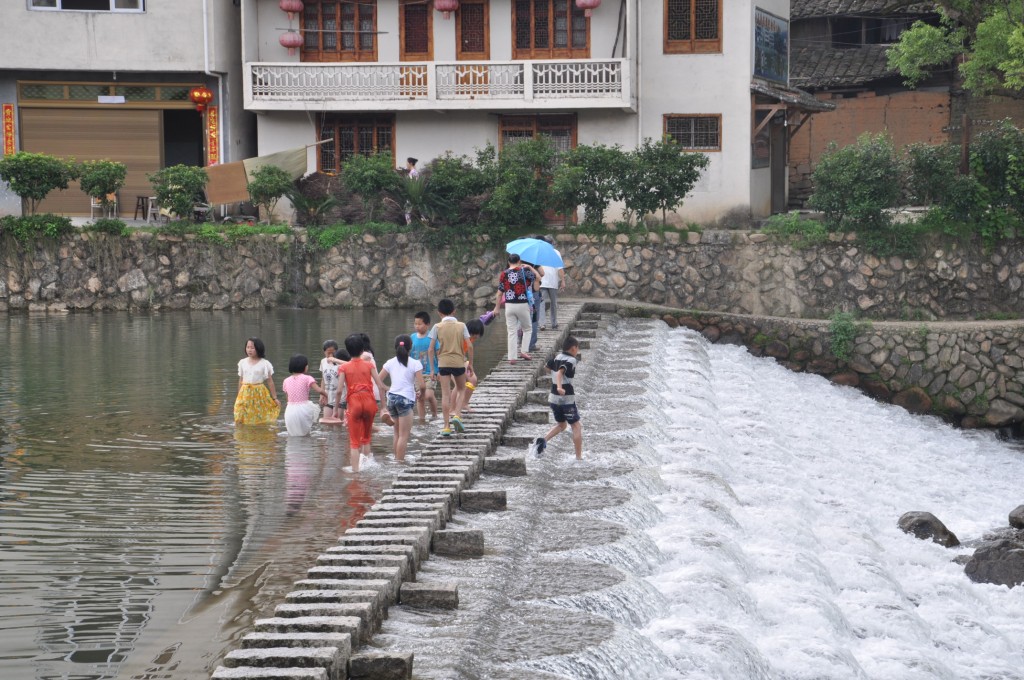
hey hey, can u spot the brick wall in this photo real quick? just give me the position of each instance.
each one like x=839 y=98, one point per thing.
x=907 y=116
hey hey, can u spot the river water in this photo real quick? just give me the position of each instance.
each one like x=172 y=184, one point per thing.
x=732 y=521
x=140 y=531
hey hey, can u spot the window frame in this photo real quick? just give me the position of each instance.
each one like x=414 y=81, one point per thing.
x=358 y=53
x=695 y=116
x=112 y=8
x=335 y=120
x=692 y=45
x=538 y=123
x=552 y=52
x=415 y=56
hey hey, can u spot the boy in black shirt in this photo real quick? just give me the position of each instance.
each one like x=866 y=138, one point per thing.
x=563 y=398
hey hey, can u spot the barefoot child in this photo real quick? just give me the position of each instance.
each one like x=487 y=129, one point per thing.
x=256 y=404
x=563 y=398
x=406 y=376
x=301 y=413
x=421 y=343
x=448 y=336
x=476 y=331
x=360 y=378
x=328 y=379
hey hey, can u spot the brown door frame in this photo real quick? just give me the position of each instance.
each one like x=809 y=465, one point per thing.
x=460 y=54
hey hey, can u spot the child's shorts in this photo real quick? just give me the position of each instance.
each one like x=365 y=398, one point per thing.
x=445 y=370
x=565 y=413
x=399 y=406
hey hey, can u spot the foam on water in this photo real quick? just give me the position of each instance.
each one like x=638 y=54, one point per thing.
x=782 y=558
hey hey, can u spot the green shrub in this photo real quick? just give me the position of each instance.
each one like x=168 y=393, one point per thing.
x=801 y=232
x=238 y=232
x=591 y=177
x=997 y=160
x=842 y=332
x=930 y=170
x=100 y=179
x=454 y=180
x=372 y=178
x=520 y=196
x=30 y=227
x=658 y=176
x=34 y=175
x=855 y=186
x=266 y=187
x=325 y=238
x=178 y=188
x=109 y=225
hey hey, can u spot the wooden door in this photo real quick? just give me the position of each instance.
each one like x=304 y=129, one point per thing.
x=473 y=43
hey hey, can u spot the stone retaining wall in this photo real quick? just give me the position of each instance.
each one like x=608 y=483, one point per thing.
x=967 y=373
x=732 y=272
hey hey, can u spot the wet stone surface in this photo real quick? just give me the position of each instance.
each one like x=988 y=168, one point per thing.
x=576 y=499
x=555 y=578
x=578 y=532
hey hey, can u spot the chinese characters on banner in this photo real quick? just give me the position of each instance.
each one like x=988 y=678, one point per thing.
x=8 y=129
x=212 y=135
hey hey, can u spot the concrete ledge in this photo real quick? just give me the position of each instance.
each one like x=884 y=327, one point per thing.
x=483 y=501
x=247 y=672
x=387 y=588
x=434 y=516
x=533 y=416
x=405 y=563
x=514 y=466
x=430 y=596
x=363 y=610
x=376 y=598
x=378 y=666
x=398 y=536
x=342 y=641
x=313 y=624
x=467 y=543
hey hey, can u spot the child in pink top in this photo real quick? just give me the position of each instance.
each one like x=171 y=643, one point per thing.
x=301 y=413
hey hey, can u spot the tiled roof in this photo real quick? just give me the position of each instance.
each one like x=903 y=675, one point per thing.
x=814 y=67
x=791 y=96
x=806 y=9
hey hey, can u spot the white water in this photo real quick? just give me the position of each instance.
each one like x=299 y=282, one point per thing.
x=782 y=558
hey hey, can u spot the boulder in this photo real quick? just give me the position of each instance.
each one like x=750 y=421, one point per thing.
x=1000 y=562
x=925 y=525
x=670 y=320
x=914 y=400
x=713 y=334
x=777 y=349
x=1017 y=517
x=848 y=378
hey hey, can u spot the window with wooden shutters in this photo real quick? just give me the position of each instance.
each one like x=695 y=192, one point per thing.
x=350 y=135
x=695 y=133
x=693 y=26
x=549 y=29
x=336 y=30
x=416 y=27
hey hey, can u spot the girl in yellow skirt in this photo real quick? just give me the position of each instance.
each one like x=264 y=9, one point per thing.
x=256 y=404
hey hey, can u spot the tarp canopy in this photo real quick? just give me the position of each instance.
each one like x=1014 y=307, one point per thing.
x=228 y=181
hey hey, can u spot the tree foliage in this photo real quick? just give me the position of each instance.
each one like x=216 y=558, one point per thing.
x=372 y=178
x=34 y=175
x=266 y=186
x=100 y=179
x=987 y=34
x=178 y=188
x=659 y=175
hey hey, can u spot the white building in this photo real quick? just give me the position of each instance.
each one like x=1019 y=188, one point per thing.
x=111 y=79
x=398 y=75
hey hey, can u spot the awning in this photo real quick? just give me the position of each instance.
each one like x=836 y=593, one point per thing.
x=791 y=97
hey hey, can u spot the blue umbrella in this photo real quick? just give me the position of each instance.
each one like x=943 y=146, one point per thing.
x=536 y=252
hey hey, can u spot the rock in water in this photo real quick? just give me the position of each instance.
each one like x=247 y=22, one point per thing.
x=1000 y=562
x=1017 y=517
x=926 y=525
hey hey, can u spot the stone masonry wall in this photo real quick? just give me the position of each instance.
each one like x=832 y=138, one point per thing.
x=725 y=271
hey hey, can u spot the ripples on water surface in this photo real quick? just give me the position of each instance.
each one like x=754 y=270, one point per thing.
x=760 y=539
x=140 y=532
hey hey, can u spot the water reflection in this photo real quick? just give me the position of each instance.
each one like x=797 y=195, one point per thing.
x=140 y=531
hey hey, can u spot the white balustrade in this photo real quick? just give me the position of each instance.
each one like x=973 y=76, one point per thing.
x=410 y=85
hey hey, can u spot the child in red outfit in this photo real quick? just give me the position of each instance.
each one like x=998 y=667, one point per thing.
x=359 y=378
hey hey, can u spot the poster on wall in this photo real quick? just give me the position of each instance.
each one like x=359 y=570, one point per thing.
x=761 y=147
x=771 y=47
x=8 y=129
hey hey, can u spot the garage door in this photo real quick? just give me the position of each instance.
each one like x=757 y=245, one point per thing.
x=131 y=137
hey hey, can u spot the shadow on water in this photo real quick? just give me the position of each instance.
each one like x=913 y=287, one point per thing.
x=141 y=532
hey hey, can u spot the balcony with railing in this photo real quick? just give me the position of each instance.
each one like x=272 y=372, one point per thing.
x=410 y=86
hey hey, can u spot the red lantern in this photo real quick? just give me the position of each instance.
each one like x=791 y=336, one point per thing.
x=446 y=7
x=291 y=40
x=200 y=96
x=292 y=7
x=588 y=5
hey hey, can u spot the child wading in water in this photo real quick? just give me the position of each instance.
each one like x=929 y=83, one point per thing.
x=360 y=378
x=563 y=398
x=421 y=343
x=256 y=404
x=406 y=383
x=301 y=413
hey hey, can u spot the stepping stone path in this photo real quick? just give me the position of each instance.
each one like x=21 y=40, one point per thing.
x=317 y=632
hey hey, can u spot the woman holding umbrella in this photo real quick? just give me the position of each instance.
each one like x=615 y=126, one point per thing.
x=512 y=286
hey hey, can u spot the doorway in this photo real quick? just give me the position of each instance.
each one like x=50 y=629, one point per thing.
x=183 y=137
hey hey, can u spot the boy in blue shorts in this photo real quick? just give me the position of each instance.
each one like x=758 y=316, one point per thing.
x=420 y=349
x=563 y=398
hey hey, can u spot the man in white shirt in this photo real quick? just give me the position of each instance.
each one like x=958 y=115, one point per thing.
x=550 y=283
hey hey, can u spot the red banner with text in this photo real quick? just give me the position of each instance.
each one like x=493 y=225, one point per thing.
x=212 y=135
x=8 y=129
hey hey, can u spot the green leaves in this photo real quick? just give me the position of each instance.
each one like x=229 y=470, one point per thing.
x=34 y=175
x=178 y=188
x=101 y=178
x=266 y=187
